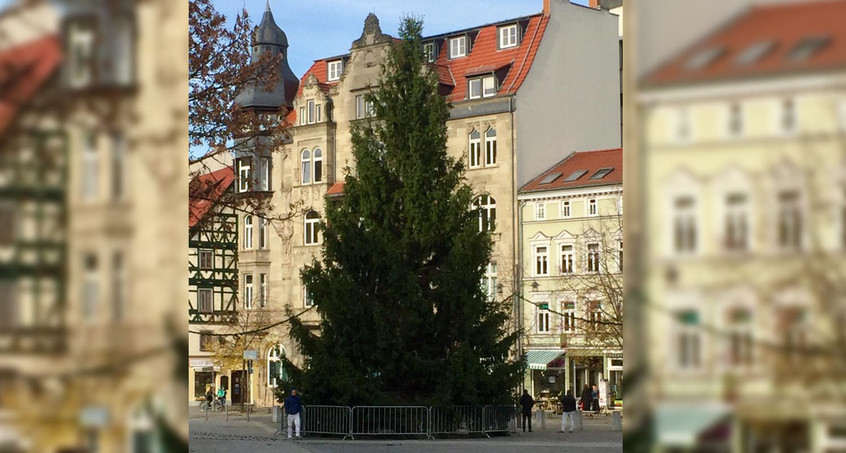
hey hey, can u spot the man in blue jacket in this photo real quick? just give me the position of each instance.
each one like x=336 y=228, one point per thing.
x=293 y=406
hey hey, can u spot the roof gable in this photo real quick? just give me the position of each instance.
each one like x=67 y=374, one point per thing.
x=580 y=169
x=206 y=190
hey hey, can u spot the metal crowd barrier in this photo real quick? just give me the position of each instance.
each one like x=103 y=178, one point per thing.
x=455 y=420
x=390 y=420
x=499 y=419
x=332 y=420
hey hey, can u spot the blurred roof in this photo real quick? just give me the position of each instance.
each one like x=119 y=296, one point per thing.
x=210 y=187
x=24 y=69
x=580 y=169
x=764 y=41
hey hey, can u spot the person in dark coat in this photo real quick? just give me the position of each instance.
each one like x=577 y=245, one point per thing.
x=587 y=398
x=595 y=398
x=527 y=402
x=568 y=404
x=293 y=406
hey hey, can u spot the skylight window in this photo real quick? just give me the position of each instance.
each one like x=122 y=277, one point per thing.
x=602 y=172
x=549 y=178
x=575 y=175
x=807 y=47
x=703 y=58
x=754 y=53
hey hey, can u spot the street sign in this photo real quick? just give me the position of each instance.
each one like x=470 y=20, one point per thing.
x=250 y=354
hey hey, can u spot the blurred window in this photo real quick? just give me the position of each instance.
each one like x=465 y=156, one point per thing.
x=205 y=341
x=684 y=225
x=739 y=337
x=318 y=165
x=90 y=166
x=793 y=326
x=262 y=290
x=7 y=224
x=569 y=319
x=754 y=52
x=737 y=223
x=81 y=53
x=807 y=47
x=118 y=165
x=308 y=300
x=682 y=124
x=688 y=339
x=9 y=307
x=540 y=211
x=593 y=258
x=735 y=120
x=788 y=115
x=789 y=220
x=703 y=58
x=592 y=206
x=275 y=372
x=90 y=287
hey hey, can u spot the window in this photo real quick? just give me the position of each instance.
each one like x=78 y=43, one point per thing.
x=118 y=165
x=429 y=52
x=541 y=261
x=458 y=47
x=735 y=120
x=262 y=233
x=243 y=174
x=335 y=69
x=474 y=88
x=90 y=288
x=481 y=87
x=682 y=125
x=594 y=314
x=568 y=323
x=567 y=259
x=489 y=283
x=789 y=221
x=90 y=167
x=602 y=172
x=508 y=36
x=308 y=300
x=205 y=341
x=248 y=232
x=7 y=224
x=688 y=344
x=81 y=61
x=807 y=47
x=592 y=206
x=264 y=174
x=565 y=209
x=788 y=116
x=310 y=111
x=736 y=228
x=475 y=149
x=793 y=328
x=318 y=165
x=262 y=290
x=303 y=118
x=593 y=258
x=204 y=300
x=540 y=211
x=363 y=107
x=684 y=225
x=620 y=256
x=739 y=342
x=319 y=113
x=9 y=307
x=306 y=161
x=490 y=147
x=248 y=291
x=206 y=259
x=311 y=234
x=487 y=212
x=275 y=373
x=543 y=318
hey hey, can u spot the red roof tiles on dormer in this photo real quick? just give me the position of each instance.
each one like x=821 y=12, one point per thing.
x=784 y=26
x=585 y=164
x=23 y=71
x=207 y=191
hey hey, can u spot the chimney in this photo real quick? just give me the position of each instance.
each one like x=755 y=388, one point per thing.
x=594 y=4
x=546 y=7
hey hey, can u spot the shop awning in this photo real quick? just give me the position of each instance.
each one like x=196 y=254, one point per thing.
x=679 y=425
x=539 y=358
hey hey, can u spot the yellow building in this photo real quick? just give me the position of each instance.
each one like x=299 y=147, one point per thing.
x=571 y=271
x=744 y=162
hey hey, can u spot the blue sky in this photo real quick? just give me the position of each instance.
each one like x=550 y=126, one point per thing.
x=324 y=28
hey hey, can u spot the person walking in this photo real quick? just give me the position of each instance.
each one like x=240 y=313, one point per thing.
x=594 y=393
x=587 y=398
x=568 y=404
x=221 y=395
x=293 y=406
x=527 y=402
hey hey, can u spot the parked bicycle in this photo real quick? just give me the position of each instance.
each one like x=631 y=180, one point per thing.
x=214 y=405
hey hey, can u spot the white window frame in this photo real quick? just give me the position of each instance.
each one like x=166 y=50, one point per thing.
x=458 y=47
x=788 y=116
x=782 y=214
x=688 y=342
x=317 y=160
x=568 y=319
x=490 y=281
x=262 y=242
x=303 y=118
x=592 y=207
x=264 y=176
x=540 y=264
x=274 y=355
x=429 y=52
x=244 y=175
x=686 y=220
x=735 y=120
x=310 y=111
x=567 y=259
x=737 y=217
x=508 y=36
x=205 y=300
x=542 y=318
x=308 y=301
x=334 y=69
x=490 y=147
x=90 y=166
x=566 y=209
x=486 y=205
x=540 y=210
x=248 y=291
x=310 y=234
x=248 y=232
x=81 y=53
x=488 y=86
x=593 y=257
x=305 y=166
x=262 y=290
x=475 y=146
x=474 y=88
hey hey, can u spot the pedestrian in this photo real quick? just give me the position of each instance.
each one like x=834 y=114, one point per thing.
x=594 y=398
x=293 y=406
x=568 y=404
x=221 y=395
x=587 y=398
x=210 y=394
x=527 y=402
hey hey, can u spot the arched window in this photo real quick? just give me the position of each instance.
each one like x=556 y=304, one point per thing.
x=487 y=212
x=318 y=165
x=475 y=149
x=275 y=373
x=310 y=234
x=490 y=147
x=306 y=160
x=248 y=232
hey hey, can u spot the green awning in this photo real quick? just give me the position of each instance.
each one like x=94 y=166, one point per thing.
x=539 y=358
x=679 y=425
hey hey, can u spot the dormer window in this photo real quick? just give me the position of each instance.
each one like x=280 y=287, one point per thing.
x=81 y=55
x=335 y=68
x=458 y=47
x=429 y=52
x=508 y=36
x=481 y=87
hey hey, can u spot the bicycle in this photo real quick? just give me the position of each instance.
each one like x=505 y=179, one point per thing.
x=215 y=405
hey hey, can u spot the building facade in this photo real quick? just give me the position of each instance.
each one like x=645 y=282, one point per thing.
x=744 y=162
x=571 y=260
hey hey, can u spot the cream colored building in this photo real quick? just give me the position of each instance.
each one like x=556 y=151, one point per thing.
x=744 y=163
x=571 y=262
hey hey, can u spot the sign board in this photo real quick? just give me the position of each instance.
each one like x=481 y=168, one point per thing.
x=250 y=354
x=603 y=393
x=200 y=363
x=94 y=417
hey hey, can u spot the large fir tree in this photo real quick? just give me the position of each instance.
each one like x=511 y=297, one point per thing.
x=404 y=317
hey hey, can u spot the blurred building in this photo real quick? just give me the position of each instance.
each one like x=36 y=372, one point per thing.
x=506 y=114
x=571 y=253
x=744 y=161
x=88 y=283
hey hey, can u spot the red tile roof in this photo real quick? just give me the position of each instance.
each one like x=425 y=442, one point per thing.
x=589 y=162
x=23 y=71
x=336 y=189
x=484 y=53
x=785 y=25
x=208 y=189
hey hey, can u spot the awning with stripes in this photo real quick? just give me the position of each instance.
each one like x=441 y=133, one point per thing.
x=539 y=358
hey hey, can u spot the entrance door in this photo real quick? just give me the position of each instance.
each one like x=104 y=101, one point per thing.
x=237 y=390
x=224 y=384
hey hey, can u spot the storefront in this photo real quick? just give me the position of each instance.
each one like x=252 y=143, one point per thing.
x=547 y=371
